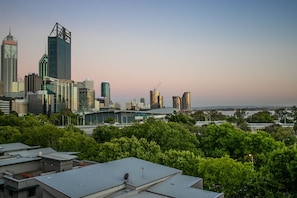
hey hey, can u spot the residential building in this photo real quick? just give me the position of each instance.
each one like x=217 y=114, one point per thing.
x=186 y=102
x=156 y=100
x=9 y=63
x=59 y=53
x=176 y=102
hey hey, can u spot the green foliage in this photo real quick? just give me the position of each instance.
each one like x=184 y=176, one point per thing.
x=260 y=117
x=106 y=133
x=240 y=120
x=183 y=160
x=63 y=118
x=283 y=134
x=181 y=118
x=168 y=135
x=119 y=148
x=179 y=144
x=281 y=173
x=199 y=115
x=44 y=136
x=10 y=120
x=109 y=120
x=226 y=175
x=214 y=115
x=9 y=134
x=218 y=141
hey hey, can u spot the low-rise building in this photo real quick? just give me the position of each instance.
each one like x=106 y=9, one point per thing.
x=31 y=171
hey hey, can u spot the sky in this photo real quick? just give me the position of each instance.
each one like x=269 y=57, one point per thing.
x=225 y=52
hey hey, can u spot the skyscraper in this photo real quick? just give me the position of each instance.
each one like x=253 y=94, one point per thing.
x=176 y=102
x=9 y=62
x=186 y=102
x=32 y=83
x=105 y=91
x=59 y=53
x=43 y=68
x=156 y=99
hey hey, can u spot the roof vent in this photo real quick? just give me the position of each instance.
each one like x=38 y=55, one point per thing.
x=126 y=176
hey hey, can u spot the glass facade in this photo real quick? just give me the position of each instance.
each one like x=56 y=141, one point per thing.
x=43 y=66
x=59 y=53
x=105 y=92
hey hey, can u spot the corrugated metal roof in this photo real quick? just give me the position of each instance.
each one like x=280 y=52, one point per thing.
x=99 y=177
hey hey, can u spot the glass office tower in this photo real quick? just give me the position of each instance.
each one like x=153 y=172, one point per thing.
x=43 y=69
x=105 y=92
x=59 y=53
x=9 y=61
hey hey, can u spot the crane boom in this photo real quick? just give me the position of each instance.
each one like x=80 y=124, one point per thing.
x=156 y=87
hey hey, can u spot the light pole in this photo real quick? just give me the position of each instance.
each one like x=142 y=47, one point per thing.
x=252 y=159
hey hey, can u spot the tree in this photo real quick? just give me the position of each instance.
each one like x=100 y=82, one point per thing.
x=218 y=141
x=106 y=133
x=45 y=136
x=123 y=147
x=184 y=160
x=240 y=120
x=181 y=118
x=171 y=135
x=283 y=134
x=199 y=115
x=214 y=115
x=9 y=134
x=260 y=117
x=281 y=173
x=226 y=175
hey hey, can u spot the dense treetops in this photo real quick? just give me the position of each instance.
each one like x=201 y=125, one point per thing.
x=230 y=160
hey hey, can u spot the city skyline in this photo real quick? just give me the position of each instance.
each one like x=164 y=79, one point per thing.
x=223 y=52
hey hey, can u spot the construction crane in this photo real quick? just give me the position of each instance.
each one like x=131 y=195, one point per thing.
x=156 y=87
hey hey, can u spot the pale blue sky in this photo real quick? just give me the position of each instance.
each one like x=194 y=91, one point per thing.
x=225 y=52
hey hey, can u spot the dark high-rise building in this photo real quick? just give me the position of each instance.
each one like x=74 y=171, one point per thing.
x=59 y=53
x=105 y=91
x=43 y=66
x=9 y=63
x=32 y=83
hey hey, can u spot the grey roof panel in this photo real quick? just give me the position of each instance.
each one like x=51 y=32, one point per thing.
x=11 y=161
x=179 y=186
x=33 y=152
x=59 y=156
x=13 y=147
x=99 y=177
